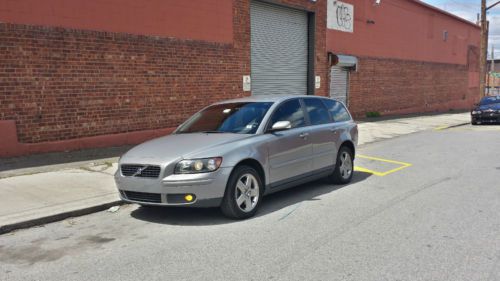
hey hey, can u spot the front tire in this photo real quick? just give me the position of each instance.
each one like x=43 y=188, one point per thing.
x=344 y=167
x=243 y=193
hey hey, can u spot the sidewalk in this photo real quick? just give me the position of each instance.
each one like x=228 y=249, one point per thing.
x=372 y=130
x=33 y=192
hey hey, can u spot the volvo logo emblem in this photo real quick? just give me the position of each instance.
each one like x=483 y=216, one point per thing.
x=139 y=171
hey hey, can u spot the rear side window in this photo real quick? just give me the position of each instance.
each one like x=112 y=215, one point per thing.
x=318 y=114
x=337 y=110
x=289 y=111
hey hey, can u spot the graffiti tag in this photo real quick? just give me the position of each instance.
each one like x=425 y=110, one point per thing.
x=343 y=16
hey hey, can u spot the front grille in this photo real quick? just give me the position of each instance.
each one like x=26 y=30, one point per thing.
x=489 y=119
x=143 y=196
x=142 y=171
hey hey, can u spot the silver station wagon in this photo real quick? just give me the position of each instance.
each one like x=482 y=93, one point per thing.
x=232 y=153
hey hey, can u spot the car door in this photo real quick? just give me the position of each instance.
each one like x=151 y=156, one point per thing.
x=289 y=150
x=341 y=120
x=323 y=134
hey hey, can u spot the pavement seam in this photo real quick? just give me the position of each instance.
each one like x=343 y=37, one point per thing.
x=93 y=171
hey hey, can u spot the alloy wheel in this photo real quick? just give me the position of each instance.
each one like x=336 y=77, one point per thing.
x=247 y=192
x=345 y=165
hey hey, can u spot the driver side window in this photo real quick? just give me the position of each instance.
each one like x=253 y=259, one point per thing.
x=290 y=111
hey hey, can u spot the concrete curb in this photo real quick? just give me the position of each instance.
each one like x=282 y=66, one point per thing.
x=58 y=217
x=452 y=126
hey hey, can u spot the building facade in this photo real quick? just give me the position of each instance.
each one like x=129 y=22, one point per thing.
x=79 y=74
x=412 y=58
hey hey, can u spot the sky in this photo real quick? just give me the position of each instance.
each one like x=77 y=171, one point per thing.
x=468 y=9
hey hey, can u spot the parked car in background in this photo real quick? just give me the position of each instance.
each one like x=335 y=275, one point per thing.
x=487 y=111
x=232 y=153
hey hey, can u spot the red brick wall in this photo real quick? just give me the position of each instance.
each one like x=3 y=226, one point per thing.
x=209 y=20
x=407 y=30
x=392 y=86
x=62 y=84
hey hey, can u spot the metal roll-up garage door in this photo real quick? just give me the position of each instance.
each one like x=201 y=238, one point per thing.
x=278 y=49
x=339 y=83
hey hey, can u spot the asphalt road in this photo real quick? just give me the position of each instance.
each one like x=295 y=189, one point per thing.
x=438 y=219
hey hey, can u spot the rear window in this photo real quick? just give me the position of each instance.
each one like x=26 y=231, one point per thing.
x=337 y=110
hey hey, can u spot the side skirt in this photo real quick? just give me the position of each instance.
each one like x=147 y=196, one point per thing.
x=298 y=180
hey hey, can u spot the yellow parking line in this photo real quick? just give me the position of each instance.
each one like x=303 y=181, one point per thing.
x=441 y=128
x=364 y=170
x=381 y=174
x=383 y=160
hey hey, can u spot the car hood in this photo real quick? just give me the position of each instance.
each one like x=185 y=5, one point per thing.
x=177 y=146
x=494 y=106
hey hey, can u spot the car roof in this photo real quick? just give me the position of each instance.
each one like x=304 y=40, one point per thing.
x=267 y=98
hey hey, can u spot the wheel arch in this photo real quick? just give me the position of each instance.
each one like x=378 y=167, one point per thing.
x=350 y=145
x=256 y=165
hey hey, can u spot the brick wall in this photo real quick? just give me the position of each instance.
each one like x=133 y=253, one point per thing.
x=63 y=84
x=392 y=86
x=209 y=20
x=60 y=84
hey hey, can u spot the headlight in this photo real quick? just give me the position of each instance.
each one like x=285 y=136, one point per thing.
x=193 y=166
x=476 y=112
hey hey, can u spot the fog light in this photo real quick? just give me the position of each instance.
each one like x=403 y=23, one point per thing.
x=189 y=197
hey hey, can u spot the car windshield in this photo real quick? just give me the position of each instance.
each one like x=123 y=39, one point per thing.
x=238 y=117
x=490 y=100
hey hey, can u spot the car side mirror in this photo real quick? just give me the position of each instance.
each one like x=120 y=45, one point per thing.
x=281 y=126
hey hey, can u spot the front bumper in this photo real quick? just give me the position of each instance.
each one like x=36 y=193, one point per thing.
x=486 y=117
x=207 y=188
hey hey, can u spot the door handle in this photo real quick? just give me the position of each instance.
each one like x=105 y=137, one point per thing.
x=304 y=135
x=333 y=130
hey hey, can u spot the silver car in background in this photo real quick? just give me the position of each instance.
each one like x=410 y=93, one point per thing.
x=231 y=153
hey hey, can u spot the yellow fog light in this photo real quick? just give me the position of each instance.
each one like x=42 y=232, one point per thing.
x=189 y=197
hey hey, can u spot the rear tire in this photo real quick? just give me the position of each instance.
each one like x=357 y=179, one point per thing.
x=473 y=122
x=344 y=167
x=243 y=193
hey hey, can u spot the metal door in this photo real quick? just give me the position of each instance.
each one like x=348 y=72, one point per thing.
x=279 y=45
x=339 y=84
